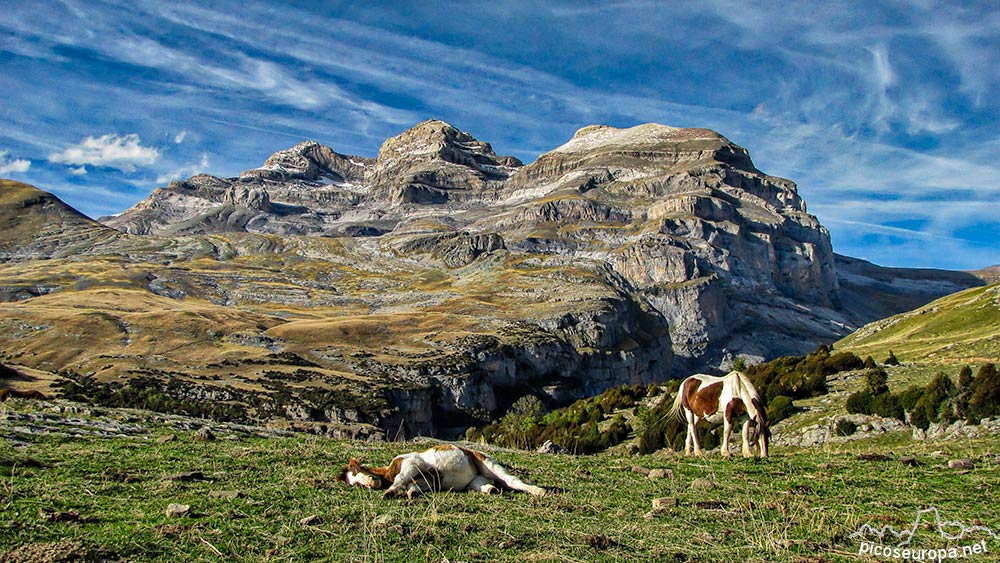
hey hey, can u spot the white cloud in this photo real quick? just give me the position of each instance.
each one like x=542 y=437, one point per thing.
x=185 y=171
x=123 y=153
x=10 y=166
x=79 y=171
x=180 y=137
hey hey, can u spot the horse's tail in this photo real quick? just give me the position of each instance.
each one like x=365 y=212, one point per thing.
x=676 y=411
x=489 y=468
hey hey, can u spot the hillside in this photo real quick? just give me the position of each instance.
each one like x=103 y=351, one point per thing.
x=962 y=328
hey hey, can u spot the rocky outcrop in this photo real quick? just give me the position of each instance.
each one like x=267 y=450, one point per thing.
x=435 y=163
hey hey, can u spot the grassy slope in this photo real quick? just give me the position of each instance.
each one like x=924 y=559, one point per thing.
x=960 y=328
x=792 y=507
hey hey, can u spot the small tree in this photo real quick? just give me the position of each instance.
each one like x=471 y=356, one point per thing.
x=892 y=360
x=964 y=378
x=919 y=417
x=984 y=400
x=877 y=381
x=860 y=402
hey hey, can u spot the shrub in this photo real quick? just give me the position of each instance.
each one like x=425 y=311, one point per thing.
x=908 y=399
x=843 y=361
x=779 y=408
x=964 y=378
x=892 y=360
x=984 y=400
x=887 y=405
x=845 y=427
x=919 y=417
x=940 y=392
x=860 y=402
x=877 y=381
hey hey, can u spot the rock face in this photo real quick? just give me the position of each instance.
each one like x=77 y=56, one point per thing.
x=430 y=287
x=721 y=250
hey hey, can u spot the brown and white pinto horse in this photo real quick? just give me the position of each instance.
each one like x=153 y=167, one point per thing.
x=445 y=467
x=722 y=399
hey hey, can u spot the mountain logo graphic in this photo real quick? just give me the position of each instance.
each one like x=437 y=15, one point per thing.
x=905 y=536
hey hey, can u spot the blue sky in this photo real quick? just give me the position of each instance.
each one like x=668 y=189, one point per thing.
x=885 y=116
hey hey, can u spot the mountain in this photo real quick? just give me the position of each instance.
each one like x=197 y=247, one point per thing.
x=430 y=287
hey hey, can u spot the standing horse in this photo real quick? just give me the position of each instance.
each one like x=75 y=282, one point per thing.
x=722 y=399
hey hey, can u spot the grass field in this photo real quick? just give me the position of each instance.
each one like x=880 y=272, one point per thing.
x=105 y=499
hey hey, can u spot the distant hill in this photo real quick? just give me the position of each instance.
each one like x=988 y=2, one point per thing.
x=960 y=328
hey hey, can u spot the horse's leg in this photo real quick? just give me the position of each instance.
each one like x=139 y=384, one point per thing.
x=414 y=478
x=747 y=452
x=727 y=428
x=687 y=433
x=490 y=469
x=692 y=421
x=483 y=485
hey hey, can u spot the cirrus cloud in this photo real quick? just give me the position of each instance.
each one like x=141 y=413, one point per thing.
x=124 y=153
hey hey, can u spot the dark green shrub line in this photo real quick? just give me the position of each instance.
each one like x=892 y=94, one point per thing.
x=941 y=400
x=579 y=428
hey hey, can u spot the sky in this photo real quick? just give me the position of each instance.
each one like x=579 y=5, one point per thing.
x=885 y=114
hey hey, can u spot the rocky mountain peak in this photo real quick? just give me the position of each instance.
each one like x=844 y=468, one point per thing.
x=436 y=140
x=434 y=162
x=308 y=161
x=668 y=145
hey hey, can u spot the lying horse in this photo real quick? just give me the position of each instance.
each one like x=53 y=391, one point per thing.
x=445 y=467
x=722 y=399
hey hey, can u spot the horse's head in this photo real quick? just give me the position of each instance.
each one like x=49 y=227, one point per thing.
x=763 y=430
x=358 y=475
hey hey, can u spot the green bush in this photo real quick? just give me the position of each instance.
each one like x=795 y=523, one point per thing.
x=908 y=399
x=892 y=360
x=860 y=402
x=887 y=405
x=845 y=427
x=779 y=408
x=920 y=417
x=799 y=377
x=577 y=428
x=877 y=381
x=984 y=399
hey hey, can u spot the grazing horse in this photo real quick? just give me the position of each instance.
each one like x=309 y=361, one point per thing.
x=722 y=399
x=445 y=467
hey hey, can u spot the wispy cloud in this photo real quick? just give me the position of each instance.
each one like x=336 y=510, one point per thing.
x=185 y=171
x=123 y=153
x=13 y=165
x=875 y=112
